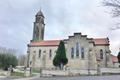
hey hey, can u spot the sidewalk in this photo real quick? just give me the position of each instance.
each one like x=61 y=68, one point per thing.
x=2 y=76
x=29 y=78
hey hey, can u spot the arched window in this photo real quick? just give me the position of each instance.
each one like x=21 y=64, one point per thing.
x=39 y=53
x=101 y=54
x=77 y=49
x=72 y=52
x=82 y=53
x=50 y=54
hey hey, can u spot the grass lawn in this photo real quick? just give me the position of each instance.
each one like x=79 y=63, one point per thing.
x=2 y=74
x=17 y=74
x=35 y=70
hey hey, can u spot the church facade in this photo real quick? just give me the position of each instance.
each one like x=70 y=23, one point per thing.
x=82 y=52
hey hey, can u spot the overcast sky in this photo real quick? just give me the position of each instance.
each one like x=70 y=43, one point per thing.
x=62 y=18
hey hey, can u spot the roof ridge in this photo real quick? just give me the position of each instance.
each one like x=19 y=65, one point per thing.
x=100 y=38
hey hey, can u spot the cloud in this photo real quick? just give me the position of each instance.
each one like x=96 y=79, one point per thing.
x=63 y=16
x=88 y=17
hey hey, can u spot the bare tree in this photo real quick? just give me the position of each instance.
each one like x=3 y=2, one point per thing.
x=115 y=10
x=22 y=60
x=115 y=5
x=8 y=50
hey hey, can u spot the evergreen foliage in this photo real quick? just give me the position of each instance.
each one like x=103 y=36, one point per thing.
x=118 y=56
x=60 y=58
x=7 y=59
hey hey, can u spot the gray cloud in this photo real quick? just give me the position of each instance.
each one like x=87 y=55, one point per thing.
x=64 y=16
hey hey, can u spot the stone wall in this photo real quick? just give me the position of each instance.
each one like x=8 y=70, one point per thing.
x=78 y=72
x=78 y=61
x=89 y=61
x=69 y=72
x=107 y=60
x=110 y=70
x=44 y=60
x=116 y=64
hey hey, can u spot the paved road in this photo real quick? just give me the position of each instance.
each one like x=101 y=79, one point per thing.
x=4 y=78
x=115 y=77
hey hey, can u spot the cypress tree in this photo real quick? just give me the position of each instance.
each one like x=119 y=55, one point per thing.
x=60 y=58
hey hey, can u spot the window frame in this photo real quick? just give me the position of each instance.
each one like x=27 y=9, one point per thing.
x=82 y=52
x=72 y=53
x=50 y=54
x=77 y=50
x=39 y=53
x=101 y=54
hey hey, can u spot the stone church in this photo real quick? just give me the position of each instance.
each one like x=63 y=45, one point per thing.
x=82 y=52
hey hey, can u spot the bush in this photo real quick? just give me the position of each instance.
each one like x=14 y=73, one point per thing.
x=7 y=59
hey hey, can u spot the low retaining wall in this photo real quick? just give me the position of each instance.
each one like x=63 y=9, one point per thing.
x=69 y=72
x=81 y=72
x=54 y=72
x=110 y=70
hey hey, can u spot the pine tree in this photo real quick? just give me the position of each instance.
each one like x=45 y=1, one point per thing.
x=60 y=58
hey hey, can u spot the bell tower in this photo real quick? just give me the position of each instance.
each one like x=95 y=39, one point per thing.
x=38 y=31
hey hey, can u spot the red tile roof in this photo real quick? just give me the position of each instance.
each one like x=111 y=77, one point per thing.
x=97 y=41
x=45 y=43
x=114 y=58
x=101 y=41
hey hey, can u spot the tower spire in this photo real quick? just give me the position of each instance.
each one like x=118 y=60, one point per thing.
x=40 y=13
x=38 y=32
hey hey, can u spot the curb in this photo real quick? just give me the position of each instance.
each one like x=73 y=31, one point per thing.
x=27 y=78
x=2 y=76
